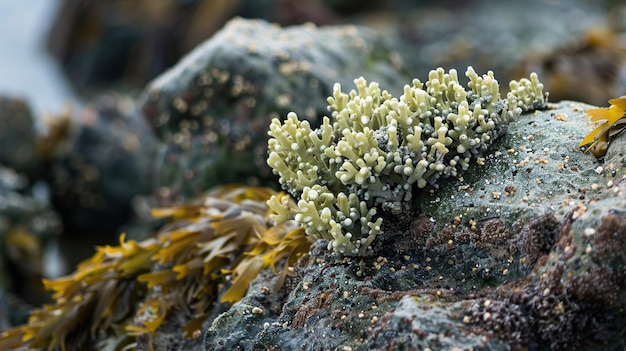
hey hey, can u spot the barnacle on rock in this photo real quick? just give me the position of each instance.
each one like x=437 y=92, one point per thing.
x=538 y=237
x=501 y=318
x=573 y=297
x=610 y=122
x=184 y=267
x=376 y=151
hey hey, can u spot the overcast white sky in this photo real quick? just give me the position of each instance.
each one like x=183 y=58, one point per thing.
x=25 y=68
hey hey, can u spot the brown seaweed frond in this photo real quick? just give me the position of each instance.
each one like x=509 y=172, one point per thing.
x=610 y=122
x=215 y=245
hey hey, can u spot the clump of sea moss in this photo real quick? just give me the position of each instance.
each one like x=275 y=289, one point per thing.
x=376 y=151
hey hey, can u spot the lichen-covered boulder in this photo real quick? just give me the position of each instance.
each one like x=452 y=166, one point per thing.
x=525 y=249
x=213 y=107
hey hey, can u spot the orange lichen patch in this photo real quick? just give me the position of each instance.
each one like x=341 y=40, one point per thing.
x=610 y=123
x=132 y=288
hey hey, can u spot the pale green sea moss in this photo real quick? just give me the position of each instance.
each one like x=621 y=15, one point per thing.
x=376 y=152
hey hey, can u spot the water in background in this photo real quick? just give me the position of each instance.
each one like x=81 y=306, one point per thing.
x=26 y=70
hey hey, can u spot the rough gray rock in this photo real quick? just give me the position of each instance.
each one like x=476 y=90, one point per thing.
x=500 y=259
x=17 y=136
x=213 y=108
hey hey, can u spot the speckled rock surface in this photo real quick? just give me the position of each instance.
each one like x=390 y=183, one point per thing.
x=525 y=251
x=214 y=106
x=536 y=167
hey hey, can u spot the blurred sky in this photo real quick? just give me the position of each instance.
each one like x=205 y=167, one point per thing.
x=26 y=70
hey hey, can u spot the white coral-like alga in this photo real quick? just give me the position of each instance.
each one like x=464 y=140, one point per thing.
x=376 y=151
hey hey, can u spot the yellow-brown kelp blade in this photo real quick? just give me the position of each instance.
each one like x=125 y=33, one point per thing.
x=132 y=288
x=610 y=123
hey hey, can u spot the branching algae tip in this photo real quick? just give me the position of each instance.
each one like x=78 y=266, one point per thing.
x=376 y=152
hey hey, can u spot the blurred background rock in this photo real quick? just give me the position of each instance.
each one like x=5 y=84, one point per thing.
x=125 y=44
x=73 y=177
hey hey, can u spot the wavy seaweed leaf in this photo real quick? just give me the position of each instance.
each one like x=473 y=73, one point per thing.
x=128 y=290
